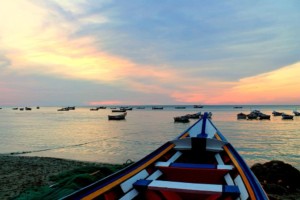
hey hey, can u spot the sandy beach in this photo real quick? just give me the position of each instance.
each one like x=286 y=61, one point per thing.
x=19 y=173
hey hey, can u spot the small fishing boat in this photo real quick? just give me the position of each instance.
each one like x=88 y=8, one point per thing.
x=198 y=106
x=27 y=108
x=180 y=107
x=199 y=164
x=296 y=113
x=64 y=109
x=157 y=108
x=140 y=107
x=263 y=116
x=101 y=107
x=286 y=116
x=117 y=117
x=236 y=107
x=194 y=116
x=275 y=113
x=241 y=116
x=118 y=110
x=182 y=119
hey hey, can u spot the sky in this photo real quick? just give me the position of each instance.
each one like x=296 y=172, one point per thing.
x=137 y=52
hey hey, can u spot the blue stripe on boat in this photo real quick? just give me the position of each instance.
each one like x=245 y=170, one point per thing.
x=190 y=165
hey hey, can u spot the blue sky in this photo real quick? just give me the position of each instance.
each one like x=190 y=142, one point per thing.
x=149 y=52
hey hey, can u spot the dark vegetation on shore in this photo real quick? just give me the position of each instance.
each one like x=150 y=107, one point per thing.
x=51 y=178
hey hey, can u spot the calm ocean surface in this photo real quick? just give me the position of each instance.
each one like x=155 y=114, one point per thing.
x=89 y=136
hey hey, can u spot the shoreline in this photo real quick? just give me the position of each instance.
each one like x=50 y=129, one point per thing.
x=19 y=175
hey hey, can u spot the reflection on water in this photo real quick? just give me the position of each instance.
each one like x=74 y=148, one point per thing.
x=85 y=135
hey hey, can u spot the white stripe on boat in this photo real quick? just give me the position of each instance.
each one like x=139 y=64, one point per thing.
x=239 y=182
x=219 y=159
x=180 y=186
x=175 y=156
x=127 y=185
x=228 y=179
x=155 y=175
x=229 y=167
x=130 y=195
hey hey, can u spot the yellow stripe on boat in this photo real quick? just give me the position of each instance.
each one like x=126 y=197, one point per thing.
x=241 y=172
x=184 y=135
x=123 y=178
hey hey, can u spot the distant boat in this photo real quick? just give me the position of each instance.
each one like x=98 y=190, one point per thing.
x=117 y=117
x=15 y=108
x=198 y=164
x=180 y=107
x=140 y=107
x=286 y=116
x=125 y=108
x=94 y=109
x=119 y=110
x=157 y=108
x=182 y=119
x=101 y=107
x=198 y=106
x=296 y=113
x=241 y=116
x=194 y=116
x=27 y=108
x=238 y=107
x=64 y=109
x=263 y=116
x=275 y=113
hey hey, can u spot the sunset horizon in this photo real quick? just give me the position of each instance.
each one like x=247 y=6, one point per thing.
x=117 y=53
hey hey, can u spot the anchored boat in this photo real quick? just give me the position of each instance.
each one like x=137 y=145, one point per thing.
x=199 y=164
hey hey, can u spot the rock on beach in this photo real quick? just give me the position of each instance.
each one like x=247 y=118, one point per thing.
x=280 y=180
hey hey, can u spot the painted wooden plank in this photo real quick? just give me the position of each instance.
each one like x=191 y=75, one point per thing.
x=130 y=195
x=239 y=182
x=172 y=159
x=127 y=185
x=162 y=164
x=219 y=159
x=229 y=167
x=228 y=179
x=193 y=165
x=154 y=175
x=185 y=186
x=175 y=156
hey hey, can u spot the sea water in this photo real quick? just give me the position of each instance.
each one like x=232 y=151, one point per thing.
x=86 y=135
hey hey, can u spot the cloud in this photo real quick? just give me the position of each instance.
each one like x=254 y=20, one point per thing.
x=198 y=52
x=278 y=86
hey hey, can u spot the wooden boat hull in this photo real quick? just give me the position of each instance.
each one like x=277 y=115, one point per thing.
x=199 y=164
x=117 y=117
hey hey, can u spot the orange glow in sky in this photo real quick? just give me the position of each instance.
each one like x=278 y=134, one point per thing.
x=38 y=40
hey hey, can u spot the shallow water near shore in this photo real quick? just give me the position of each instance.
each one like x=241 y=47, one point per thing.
x=89 y=136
